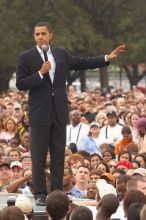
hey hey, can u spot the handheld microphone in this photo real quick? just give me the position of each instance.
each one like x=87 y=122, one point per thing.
x=44 y=49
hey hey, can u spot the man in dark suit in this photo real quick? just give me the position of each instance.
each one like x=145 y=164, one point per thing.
x=48 y=105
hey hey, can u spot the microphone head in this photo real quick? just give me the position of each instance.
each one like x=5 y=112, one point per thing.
x=44 y=47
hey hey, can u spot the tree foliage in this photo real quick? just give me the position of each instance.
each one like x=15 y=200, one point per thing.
x=83 y=27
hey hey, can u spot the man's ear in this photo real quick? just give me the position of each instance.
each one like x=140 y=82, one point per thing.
x=51 y=36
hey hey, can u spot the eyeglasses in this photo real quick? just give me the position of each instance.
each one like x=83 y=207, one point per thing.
x=112 y=166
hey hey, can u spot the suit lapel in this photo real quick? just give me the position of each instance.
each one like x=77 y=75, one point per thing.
x=56 y=58
x=39 y=61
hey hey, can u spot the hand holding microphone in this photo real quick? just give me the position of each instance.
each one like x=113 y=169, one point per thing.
x=46 y=65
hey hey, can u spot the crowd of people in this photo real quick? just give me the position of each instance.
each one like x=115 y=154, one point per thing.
x=105 y=156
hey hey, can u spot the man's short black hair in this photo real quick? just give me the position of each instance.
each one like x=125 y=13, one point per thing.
x=57 y=204
x=81 y=213
x=43 y=24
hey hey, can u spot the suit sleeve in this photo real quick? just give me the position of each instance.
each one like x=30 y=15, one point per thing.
x=85 y=63
x=26 y=80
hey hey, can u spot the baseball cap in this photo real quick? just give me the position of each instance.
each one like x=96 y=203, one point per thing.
x=17 y=106
x=105 y=188
x=141 y=171
x=24 y=203
x=16 y=164
x=111 y=113
x=94 y=123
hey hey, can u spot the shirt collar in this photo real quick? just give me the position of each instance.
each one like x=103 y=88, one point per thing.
x=40 y=51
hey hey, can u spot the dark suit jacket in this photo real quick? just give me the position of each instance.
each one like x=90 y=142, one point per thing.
x=40 y=90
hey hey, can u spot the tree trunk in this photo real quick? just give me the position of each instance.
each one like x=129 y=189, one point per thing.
x=104 y=79
x=4 y=84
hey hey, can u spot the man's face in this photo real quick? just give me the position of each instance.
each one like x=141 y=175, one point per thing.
x=15 y=155
x=16 y=173
x=141 y=186
x=67 y=178
x=112 y=120
x=42 y=36
x=4 y=172
x=91 y=190
x=82 y=175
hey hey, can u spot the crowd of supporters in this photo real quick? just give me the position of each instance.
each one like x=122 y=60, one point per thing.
x=105 y=157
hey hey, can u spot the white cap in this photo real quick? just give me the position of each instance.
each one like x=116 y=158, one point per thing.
x=17 y=164
x=105 y=188
x=24 y=203
x=140 y=170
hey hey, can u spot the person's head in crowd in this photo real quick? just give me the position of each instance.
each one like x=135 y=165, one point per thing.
x=133 y=196
x=126 y=132
x=10 y=125
x=82 y=177
x=120 y=102
x=5 y=173
x=141 y=158
x=124 y=165
x=87 y=162
x=141 y=126
x=95 y=175
x=133 y=107
x=101 y=118
x=127 y=118
x=25 y=106
x=112 y=118
x=84 y=120
x=108 y=155
x=102 y=166
x=109 y=178
x=26 y=161
x=130 y=172
x=66 y=158
x=133 y=119
x=9 y=111
x=25 y=119
x=104 y=147
x=134 y=211
x=75 y=117
x=94 y=159
x=108 y=206
x=139 y=172
x=24 y=140
x=14 y=154
x=16 y=170
x=13 y=142
x=143 y=213
x=133 y=149
x=74 y=161
x=112 y=165
x=124 y=155
x=1 y=124
x=80 y=213
x=4 y=143
x=67 y=179
x=57 y=205
x=118 y=172
x=91 y=190
x=2 y=151
x=94 y=129
x=135 y=164
x=138 y=184
x=24 y=203
x=121 y=184
x=81 y=105
x=11 y=213
x=84 y=153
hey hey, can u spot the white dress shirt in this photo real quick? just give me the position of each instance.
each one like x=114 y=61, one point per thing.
x=51 y=60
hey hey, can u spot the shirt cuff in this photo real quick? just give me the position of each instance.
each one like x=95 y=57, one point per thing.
x=40 y=75
x=106 y=60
